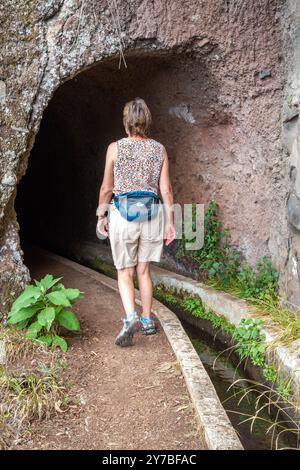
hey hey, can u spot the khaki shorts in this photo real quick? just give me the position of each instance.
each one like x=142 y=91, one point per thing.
x=135 y=241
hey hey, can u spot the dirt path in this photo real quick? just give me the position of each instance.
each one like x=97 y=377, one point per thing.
x=131 y=398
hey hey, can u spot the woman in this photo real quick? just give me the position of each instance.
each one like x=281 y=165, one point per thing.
x=136 y=163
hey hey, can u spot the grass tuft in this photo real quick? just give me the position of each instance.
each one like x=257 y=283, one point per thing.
x=286 y=412
x=31 y=387
x=16 y=346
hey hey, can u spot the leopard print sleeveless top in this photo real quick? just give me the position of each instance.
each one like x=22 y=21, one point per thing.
x=138 y=165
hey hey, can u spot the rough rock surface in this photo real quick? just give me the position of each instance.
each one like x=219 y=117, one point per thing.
x=227 y=83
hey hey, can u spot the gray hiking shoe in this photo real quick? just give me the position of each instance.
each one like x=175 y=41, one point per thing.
x=147 y=326
x=125 y=337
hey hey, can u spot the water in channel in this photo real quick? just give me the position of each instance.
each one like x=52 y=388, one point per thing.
x=223 y=372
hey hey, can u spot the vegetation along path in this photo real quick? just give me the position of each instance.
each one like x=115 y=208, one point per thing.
x=130 y=398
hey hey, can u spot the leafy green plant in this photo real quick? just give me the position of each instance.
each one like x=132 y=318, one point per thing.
x=215 y=258
x=269 y=372
x=195 y=307
x=42 y=308
x=259 y=282
x=222 y=265
x=284 y=388
x=170 y=299
x=248 y=338
x=250 y=341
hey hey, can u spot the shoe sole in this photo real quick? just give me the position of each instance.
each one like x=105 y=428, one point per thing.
x=149 y=332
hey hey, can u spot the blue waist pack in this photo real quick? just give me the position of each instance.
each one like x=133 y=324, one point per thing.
x=137 y=205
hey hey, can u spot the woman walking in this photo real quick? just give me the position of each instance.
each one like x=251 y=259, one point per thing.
x=130 y=212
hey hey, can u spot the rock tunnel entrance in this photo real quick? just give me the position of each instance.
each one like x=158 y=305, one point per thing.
x=218 y=80
x=57 y=197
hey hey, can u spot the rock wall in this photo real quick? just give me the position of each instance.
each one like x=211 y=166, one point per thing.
x=217 y=74
x=291 y=150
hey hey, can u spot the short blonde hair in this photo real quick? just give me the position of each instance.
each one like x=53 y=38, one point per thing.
x=137 y=117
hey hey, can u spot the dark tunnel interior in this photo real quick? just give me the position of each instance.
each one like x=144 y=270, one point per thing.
x=57 y=197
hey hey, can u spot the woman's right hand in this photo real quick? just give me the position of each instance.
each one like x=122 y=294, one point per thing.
x=169 y=234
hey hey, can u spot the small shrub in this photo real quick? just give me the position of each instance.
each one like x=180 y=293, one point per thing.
x=250 y=341
x=216 y=259
x=269 y=373
x=193 y=306
x=223 y=267
x=259 y=282
x=43 y=308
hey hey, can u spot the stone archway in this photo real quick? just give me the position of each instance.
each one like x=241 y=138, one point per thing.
x=57 y=197
x=219 y=81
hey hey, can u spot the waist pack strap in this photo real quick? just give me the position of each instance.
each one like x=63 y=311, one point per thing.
x=131 y=194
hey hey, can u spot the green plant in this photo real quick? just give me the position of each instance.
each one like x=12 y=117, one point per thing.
x=258 y=282
x=170 y=299
x=284 y=388
x=269 y=373
x=43 y=308
x=248 y=338
x=222 y=266
x=250 y=341
x=216 y=258
x=194 y=306
x=288 y=320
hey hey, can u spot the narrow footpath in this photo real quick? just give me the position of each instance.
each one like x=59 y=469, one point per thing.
x=130 y=398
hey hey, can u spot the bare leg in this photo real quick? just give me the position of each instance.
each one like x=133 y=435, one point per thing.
x=145 y=286
x=126 y=288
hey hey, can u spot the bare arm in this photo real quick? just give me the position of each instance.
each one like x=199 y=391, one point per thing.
x=107 y=185
x=166 y=191
x=106 y=188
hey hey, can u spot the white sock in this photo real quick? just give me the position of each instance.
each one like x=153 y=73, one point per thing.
x=130 y=316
